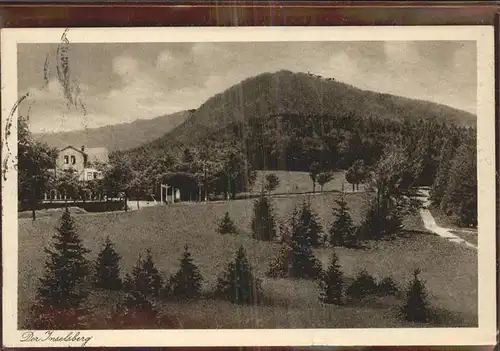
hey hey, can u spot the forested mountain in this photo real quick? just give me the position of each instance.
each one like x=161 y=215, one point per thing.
x=285 y=92
x=119 y=136
x=296 y=122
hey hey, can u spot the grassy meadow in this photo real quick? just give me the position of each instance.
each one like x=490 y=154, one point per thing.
x=449 y=270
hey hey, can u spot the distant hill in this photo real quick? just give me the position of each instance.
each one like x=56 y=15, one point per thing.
x=286 y=92
x=119 y=136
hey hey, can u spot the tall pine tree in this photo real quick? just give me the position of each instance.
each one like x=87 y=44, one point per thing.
x=460 y=198
x=187 y=282
x=107 y=269
x=263 y=221
x=441 y=180
x=342 y=231
x=62 y=292
x=331 y=283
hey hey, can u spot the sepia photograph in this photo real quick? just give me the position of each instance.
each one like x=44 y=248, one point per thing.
x=246 y=185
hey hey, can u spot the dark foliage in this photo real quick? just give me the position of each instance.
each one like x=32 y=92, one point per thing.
x=107 y=269
x=62 y=287
x=263 y=221
x=295 y=259
x=382 y=219
x=416 y=306
x=342 y=230
x=387 y=287
x=364 y=285
x=331 y=283
x=187 y=282
x=272 y=182
x=237 y=283
x=227 y=226
x=145 y=277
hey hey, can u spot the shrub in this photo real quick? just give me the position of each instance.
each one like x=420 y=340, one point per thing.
x=272 y=182
x=145 y=277
x=187 y=282
x=416 y=306
x=226 y=225
x=237 y=283
x=364 y=285
x=263 y=221
x=387 y=287
x=382 y=219
x=331 y=283
x=62 y=286
x=107 y=270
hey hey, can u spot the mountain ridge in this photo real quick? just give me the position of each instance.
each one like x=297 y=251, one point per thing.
x=120 y=136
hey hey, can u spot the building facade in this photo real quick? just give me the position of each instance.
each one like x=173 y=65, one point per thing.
x=88 y=163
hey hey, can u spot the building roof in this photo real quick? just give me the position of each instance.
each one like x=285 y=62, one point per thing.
x=94 y=154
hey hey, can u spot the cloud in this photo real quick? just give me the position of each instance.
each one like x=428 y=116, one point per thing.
x=143 y=82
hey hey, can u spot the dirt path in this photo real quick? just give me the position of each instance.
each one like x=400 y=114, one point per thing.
x=430 y=223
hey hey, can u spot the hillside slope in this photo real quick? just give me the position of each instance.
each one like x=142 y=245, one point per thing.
x=302 y=93
x=117 y=137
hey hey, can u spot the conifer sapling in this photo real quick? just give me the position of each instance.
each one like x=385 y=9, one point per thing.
x=237 y=284
x=187 y=282
x=332 y=283
x=416 y=306
x=342 y=231
x=226 y=225
x=107 y=270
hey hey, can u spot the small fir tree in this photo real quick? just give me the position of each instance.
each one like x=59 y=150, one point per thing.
x=238 y=284
x=342 y=231
x=416 y=306
x=226 y=225
x=310 y=225
x=61 y=294
x=332 y=283
x=107 y=270
x=187 y=282
x=364 y=285
x=296 y=258
x=145 y=277
x=263 y=221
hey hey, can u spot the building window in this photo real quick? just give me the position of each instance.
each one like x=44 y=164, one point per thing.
x=95 y=175
x=66 y=159
x=89 y=175
x=73 y=160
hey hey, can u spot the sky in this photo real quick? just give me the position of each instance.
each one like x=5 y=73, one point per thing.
x=119 y=83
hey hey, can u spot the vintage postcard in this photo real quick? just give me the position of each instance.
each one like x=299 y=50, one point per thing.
x=278 y=186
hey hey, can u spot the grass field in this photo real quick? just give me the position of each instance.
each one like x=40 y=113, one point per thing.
x=300 y=182
x=450 y=270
